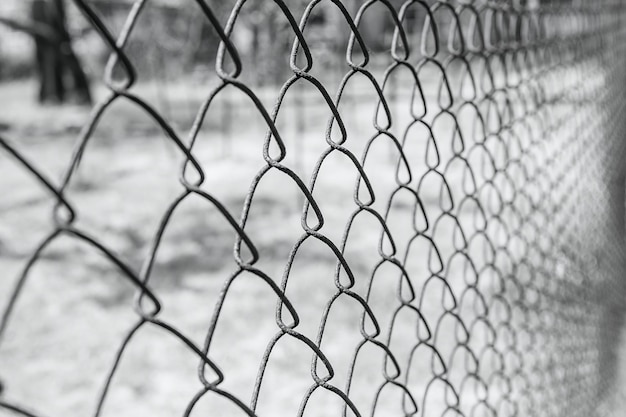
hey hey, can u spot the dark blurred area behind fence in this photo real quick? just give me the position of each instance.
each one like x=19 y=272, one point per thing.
x=484 y=140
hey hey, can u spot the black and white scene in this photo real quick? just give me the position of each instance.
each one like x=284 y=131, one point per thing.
x=312 y=208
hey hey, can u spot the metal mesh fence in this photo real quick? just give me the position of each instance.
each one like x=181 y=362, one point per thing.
x=453 y=201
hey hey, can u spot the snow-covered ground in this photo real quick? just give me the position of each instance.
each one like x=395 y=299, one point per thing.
x=76 y=308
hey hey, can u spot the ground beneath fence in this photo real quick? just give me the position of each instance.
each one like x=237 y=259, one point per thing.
x=76 y=308
x=69 y=315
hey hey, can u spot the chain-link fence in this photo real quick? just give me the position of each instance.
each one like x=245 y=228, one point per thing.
x=426 y=208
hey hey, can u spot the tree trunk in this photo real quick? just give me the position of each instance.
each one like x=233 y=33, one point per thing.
x=47 y=57
x=58 y=68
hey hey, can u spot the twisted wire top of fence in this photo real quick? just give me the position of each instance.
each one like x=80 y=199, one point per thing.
x=436 y=232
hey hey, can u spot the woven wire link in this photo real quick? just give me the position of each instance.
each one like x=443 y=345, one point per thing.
x=515 y=135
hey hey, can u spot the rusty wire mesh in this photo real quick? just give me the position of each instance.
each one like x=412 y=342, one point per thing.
x=485 y=174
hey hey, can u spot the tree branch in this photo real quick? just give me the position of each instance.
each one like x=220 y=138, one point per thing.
x=39 y=30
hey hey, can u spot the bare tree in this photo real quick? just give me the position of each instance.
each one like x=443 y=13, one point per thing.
x=58 y=69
